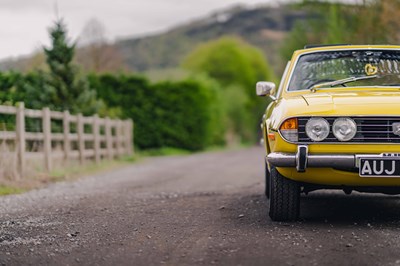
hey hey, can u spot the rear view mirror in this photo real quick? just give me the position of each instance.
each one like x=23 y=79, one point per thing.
x=265 y=88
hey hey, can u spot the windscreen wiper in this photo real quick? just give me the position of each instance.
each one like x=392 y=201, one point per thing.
x=339 y=82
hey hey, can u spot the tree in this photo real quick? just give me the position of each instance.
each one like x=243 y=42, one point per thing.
x=183 y=114
x=237 y=66
x=230 y=61
x=64 y=88
x=95 y=54
x=373 y=22
x=390 y=12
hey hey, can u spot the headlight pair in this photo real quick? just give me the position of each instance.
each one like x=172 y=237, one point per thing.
x=318 y=129
x=343 y=128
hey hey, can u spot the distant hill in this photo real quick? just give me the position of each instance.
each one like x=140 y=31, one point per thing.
x=264 y=27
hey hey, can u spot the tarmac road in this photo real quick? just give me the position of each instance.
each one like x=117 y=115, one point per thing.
x=202 y=209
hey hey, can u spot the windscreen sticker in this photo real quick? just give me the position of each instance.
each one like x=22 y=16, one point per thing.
x=370 y=69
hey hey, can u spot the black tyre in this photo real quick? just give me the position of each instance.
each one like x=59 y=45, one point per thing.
x=267 y=177
x=284 y=202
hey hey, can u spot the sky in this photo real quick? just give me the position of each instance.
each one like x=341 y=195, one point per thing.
x=25 y=23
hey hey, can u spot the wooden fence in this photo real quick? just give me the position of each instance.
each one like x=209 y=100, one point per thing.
x=107 y=138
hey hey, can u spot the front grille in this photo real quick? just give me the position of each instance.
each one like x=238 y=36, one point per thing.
x=369 y=130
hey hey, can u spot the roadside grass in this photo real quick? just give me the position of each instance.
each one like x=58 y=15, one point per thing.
x=8 y=189
x=168 y=151
x=165 y=151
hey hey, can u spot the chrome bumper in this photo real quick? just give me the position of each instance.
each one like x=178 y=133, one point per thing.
x=301 y=160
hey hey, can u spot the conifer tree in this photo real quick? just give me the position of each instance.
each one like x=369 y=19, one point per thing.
x=64 y=88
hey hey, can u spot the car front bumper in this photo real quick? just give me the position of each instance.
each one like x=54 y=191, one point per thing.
x=302 y=159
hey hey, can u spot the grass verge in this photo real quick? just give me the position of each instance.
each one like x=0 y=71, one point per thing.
x=166 y=151
x=7 y=190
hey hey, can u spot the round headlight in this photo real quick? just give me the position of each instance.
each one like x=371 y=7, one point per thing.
x=344 y=128
x=317 y=129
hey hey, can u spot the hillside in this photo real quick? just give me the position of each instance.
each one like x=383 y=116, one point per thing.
x=264 y=27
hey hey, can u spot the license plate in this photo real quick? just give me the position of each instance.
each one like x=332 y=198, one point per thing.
x=379 y=167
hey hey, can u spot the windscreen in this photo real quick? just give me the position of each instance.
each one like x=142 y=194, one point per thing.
x=381 y=67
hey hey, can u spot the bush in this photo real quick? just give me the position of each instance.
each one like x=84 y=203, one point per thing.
x=237 y=66
x=186 y=114
x=181 y=114
x=10 y=91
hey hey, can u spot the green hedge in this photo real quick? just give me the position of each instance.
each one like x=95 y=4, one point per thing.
x=10 y=87
x=184 y=114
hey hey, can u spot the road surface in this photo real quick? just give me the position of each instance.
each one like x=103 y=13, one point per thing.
x=202 y=209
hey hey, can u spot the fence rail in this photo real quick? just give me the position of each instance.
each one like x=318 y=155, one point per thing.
x=108 y=138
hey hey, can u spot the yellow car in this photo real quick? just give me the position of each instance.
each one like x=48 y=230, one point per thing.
x=334 y=122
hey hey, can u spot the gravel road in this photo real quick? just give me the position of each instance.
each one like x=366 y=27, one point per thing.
x=202 y=209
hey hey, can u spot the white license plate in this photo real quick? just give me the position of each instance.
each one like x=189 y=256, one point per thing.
x=380 y=167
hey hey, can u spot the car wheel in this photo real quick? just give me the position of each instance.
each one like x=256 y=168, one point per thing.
x=267 y=181
x=284 y=202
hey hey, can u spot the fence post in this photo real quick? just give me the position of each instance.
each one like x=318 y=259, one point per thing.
x=66 y=131
x=125 y=130
x=81 y=141
x=133 y=136
x=118 y=136
x=20 y=141
x=46 y=121
x=96 y=138
x=109 y=141
x=129 y=133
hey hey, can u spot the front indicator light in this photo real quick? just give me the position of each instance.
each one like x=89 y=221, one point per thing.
x=317 y=129
x=344 y=128
x=289 y=130
x=290 y=124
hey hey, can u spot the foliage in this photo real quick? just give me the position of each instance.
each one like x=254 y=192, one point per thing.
x=180 y=114
x=8 y=190
x=264 y=26
x=9 y=92
x=373 y=22
x=166 y=151
x=185 y=114
x=237 y=66
x=60 y=88
x=96 y=54
x=230 y=61
x=237 y=119
x=63 y=88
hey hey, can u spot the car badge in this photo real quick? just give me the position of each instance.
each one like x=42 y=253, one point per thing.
x=396 y=129
x=370 y=69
